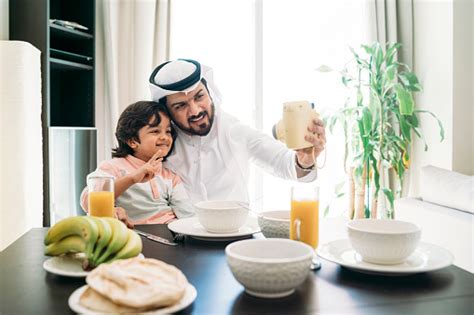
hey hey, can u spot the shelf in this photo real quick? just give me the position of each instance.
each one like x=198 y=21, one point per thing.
x=67 y=32
x=68 y=65
x=69 y=56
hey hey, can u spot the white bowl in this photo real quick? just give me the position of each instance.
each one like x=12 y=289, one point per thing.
x=275 y=223
x=221 y=216
x=269 y=268
x=384 y=242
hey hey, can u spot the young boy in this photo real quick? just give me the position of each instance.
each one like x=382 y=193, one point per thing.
x=145 y=191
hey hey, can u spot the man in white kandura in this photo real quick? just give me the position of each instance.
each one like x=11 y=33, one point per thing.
x=213 y=149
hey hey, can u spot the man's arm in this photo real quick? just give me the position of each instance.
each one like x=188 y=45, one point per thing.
x=272 y=155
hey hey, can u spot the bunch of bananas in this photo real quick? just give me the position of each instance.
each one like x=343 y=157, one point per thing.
x=101 y=239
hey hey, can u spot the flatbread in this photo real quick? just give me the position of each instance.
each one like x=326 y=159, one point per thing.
x=139 y=283
x=99 y=303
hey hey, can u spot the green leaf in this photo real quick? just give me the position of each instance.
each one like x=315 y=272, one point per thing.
x=401 y=171
x=367 y=49
x=324 y=68
x=400 y=167
x=339 y=186
x=390 y=72
x=388 y=192
x=378 y=55
x=410 y=81
x=418 y=133
x=441 y=129
x=413 y=120
x=405 y=128
x=332 y=122
x=405 y=100
x=345 y=80
x=358 y=59
x=339 y=195
x=375 y=106
x=392 y=49
x=362 y=133
x=326 y=211
x=403 y=65
x=360 y=98
x=367 y=121
x=376 y=174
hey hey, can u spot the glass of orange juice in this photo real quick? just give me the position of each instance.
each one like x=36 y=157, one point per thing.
x=304 y=217
x=101 y=195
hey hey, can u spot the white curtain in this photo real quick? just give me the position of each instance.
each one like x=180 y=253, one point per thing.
x=391 y=21
x=132 y=37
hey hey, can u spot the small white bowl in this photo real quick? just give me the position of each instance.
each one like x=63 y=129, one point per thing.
x=269 y=268
x=385 y=242
x=275 y=223
x=221 y=216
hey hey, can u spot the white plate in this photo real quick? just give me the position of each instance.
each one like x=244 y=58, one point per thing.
x=427 y=257
x=192 y=227
x=189 y=297
x=68 y=265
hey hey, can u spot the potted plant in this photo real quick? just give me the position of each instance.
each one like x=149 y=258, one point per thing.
x=379 y=119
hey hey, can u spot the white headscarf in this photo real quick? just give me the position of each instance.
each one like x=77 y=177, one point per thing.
x=181 y=75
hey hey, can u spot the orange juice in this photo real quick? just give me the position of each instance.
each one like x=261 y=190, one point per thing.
x=307 y=211
x=101 y=203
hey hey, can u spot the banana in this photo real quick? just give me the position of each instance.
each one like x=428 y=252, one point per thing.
x=131 y=249
x=105 y=234
x=81 y=226
x=69 y=244
x=118 y=240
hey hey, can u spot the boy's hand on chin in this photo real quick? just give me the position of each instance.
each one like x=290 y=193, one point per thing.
x=147 y=171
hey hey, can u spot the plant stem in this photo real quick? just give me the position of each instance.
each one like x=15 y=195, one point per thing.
x=360 y=195
x=350 y=178
x=379 y=162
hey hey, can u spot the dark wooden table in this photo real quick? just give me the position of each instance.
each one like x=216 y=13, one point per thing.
x=25 y=288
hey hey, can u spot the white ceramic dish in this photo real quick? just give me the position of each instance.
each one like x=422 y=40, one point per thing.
x=387 y=242
x=275 y=223
x=68 y=265
x=269 y=268
x=192 y=227
x=221 y=216
x=427 y=257
x=188 y=298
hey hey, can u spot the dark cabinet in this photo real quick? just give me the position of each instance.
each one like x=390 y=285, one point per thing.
x=64 y=32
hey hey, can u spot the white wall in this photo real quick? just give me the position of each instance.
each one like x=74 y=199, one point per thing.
x=433 y=63
x=3 y=19
x=21 y=180
x=463 y=82
x=443 y=36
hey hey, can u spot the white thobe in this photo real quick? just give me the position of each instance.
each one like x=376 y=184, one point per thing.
x=216 y=166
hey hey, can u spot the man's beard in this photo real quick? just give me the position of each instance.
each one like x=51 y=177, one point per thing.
x=202 y=129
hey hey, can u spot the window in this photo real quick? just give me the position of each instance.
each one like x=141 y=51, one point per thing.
x=264 y=53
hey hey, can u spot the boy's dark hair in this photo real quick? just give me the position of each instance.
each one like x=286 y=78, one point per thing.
x=132 y=119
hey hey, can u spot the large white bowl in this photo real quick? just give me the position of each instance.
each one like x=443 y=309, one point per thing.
x=275 y=223
x=221 y=216
x=383 y=241
x=269 y=268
